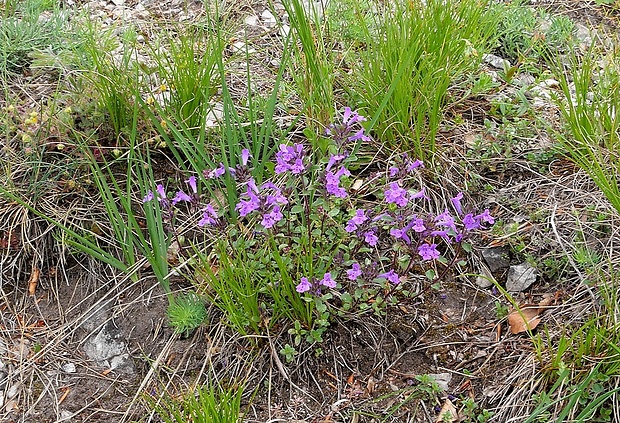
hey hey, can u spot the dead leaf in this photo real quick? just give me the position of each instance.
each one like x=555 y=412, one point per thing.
x=357 y=184
x=447 y=413
x=524 y=319
x=33 y=281
x=527 y=317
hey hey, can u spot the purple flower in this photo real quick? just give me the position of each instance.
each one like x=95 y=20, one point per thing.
x=209 y=216
x=277 y=197
x=419 y=194
x=358 y=219
x=345 y=131
x=394 y=171
x=181 y=196
x=391 y=276
x=148 y=197
x=215 y=173
x=297 y=167
x=246 y=207
x=245 y=155
x=359 y=136
x=328 y=281
x=418 y=225
x=397 y=195
x=303 y=286
x=271 y=218
x=413 y=165
x=333 y=159
x=486 y=217
x=192 y=184
x=428 y=251
x=160 y=190
x=370 y=238
x=400 y=234
x=332 y=184
x=445 y=219
x=161 y=194
x=470 y=222
x=456 y=202
x=354 y=272
x=290 y=158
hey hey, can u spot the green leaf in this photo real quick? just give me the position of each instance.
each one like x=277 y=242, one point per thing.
x=430 y=274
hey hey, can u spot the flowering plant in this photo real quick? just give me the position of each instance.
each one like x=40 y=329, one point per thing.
x=310 y=241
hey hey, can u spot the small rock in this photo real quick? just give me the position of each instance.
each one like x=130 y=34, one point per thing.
x=11 y=406
x=496 y=61
x=520 y=277
x=483 y=282
x=251 y=20
x=496 y=258
x=583 y=35
x=13 y=390
x=107 y=349
x=65 y=415
x=442 y=379
x=68 y=368
x=268 y=19
x=284 y=31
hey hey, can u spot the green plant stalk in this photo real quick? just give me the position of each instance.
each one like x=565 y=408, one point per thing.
x=314 y=69
x=212 y=404
x=114 y=82
x=419 y=50
x=236 y=287
x=593 y=123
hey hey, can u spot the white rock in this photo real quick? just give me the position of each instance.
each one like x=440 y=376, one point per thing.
x=284 y=31
x=251 y=20
x=520 y=277
x=268 y=19
x=12 y=391
x=442 y=379
x=496 y=61
x=68 y=368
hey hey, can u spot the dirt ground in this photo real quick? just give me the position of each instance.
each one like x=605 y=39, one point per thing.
x=369 y=362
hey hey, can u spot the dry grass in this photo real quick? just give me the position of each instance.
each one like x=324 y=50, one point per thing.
x=366 y=356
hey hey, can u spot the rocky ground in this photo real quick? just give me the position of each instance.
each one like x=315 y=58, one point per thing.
x=81 y=343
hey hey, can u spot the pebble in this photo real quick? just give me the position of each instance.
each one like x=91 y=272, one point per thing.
x=442 y=379
x=496 y=258
x=68 y=368
x=520 y=277
x=268 y=19
x=496 y=61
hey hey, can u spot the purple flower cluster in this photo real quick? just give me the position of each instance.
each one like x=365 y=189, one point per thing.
x=332 y=182
x=315 y=286
x=347 y=131
x=446 y=226
x=416 y=233
x=267 y=200
x=290 y=159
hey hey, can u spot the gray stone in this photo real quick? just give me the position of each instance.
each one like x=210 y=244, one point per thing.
x=484 y=281
x=496 y=61
x=251 y=20
x=496 y=258
x=268 y=19
x=442 y=379
x=520 y=277
x=108 y=349
x=68 y=368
